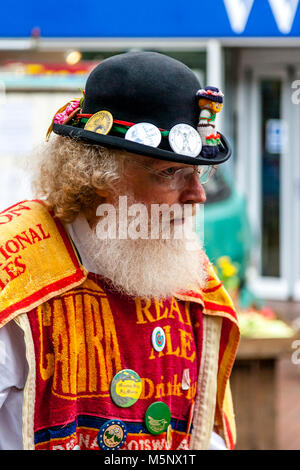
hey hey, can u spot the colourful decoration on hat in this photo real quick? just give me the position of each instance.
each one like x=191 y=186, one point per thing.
x=82 y=98
x=60 y=118
x=210 y=101
x=64 y=114
x=211 y=93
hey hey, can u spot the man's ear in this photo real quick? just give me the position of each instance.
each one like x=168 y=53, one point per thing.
x=101 y=197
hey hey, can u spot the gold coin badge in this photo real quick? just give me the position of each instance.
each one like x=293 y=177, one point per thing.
x=101 y=123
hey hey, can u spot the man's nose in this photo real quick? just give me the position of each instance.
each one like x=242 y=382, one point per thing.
x=193 y=191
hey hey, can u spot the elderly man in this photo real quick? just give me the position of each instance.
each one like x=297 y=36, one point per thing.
x=116 y=333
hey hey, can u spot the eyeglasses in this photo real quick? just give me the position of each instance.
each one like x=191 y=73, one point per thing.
x=176 y=178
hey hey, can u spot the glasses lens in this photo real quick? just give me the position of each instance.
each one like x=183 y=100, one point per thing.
x=206 y=172
x=182 y=175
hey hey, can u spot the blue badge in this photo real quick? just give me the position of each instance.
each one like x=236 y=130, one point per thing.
x=112 y=435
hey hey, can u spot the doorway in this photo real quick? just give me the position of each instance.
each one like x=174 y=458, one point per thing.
x=268 y=169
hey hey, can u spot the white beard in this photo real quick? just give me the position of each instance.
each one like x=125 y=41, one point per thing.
x=149 y=268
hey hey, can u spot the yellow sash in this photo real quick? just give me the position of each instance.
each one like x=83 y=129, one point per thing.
x=37 y=259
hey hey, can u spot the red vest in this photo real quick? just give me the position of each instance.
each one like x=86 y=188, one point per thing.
x=83 y=337
x=79 y=334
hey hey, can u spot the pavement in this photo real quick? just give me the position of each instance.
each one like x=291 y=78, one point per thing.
x=288 y=405
x=288 y=385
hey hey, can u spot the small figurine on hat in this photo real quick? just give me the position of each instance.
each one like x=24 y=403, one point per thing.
x=210 y=101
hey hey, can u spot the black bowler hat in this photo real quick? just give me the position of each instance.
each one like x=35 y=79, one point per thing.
x=140 y=87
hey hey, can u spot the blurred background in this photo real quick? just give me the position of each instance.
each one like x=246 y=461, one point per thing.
x=251 y=50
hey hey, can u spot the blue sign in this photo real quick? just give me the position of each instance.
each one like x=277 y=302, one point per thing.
x=154 y=18
x=276 y=135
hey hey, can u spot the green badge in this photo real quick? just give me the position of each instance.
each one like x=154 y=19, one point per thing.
x=158 y=417
x=125 y=388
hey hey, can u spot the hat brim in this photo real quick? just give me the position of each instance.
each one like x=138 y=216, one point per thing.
x=108 y=141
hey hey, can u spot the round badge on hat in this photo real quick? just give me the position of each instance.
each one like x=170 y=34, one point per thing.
x=158 y=338
x=158 y=417
x=112 y=435
x=185 y=140
x=101 y=122
x=125 y=388
x=144 y=133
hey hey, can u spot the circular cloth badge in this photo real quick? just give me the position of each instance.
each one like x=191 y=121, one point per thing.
x=112 y=435
x=101 y=123
x=158 y=338
x=125 y=388
x=144 y=133
x=158 y=417
x=185 y=140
